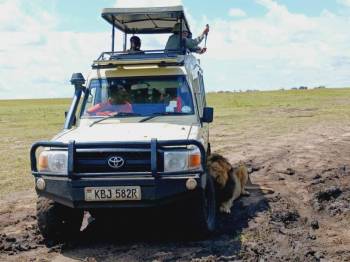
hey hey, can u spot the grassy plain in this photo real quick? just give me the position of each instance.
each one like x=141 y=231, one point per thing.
x=252 y=115
x=22 y=122
x=257 y=115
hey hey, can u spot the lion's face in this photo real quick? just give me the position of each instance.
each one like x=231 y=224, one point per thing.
x=219 y=170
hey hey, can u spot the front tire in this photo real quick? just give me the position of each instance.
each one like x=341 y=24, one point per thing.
x=204 y=211
x=57 y=222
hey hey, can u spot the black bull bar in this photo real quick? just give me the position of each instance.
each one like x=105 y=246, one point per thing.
x=154 y=146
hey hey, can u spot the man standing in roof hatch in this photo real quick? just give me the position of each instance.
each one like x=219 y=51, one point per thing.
x=190 y=44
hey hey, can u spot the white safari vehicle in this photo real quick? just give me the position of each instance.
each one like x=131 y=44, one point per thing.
x=136 y=134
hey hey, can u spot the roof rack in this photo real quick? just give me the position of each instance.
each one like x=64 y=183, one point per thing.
x=145 y=58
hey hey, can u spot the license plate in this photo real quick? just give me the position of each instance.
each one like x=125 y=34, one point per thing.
x=112 y=193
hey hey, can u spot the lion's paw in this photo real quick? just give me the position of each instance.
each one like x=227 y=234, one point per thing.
x=225 y=209
x=245 y=193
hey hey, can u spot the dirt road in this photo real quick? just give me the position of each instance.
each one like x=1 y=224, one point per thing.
x=306 y=219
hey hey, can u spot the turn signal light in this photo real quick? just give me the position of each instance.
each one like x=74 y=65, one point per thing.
x=43 y=161
x=194 y=160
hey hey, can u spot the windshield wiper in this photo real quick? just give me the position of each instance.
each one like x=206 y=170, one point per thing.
x=162 y=114
x=121 y=114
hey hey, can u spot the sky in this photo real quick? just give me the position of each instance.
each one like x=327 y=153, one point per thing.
x=252 y=44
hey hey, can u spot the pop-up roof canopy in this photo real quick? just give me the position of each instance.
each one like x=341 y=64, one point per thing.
x=153 y=20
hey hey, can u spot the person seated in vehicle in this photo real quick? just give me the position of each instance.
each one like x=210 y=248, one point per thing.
x=178 y=100
x=156 y=96
x=135 y=45
x=173 y=42
x=118 y=102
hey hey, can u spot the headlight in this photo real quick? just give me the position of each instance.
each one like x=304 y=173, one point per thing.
x=182 y=160
x=53 y=161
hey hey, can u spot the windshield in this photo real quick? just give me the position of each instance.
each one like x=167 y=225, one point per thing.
x=141 y=96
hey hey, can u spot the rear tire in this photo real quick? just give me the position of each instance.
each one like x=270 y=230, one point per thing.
x=57 y=222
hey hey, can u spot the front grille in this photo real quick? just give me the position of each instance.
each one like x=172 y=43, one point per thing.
x=97 y=162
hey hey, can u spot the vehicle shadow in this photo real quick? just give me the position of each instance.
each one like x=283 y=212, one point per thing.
x=157 y=235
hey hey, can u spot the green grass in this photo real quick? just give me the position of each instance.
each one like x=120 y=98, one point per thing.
x=276 y=112
x=251 y=115
x=22 y=122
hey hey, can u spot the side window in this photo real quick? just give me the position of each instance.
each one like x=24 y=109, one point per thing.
x=198 y=95
x=202 y=90
x=90 y=99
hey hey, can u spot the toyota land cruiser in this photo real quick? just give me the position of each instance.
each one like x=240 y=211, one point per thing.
x=136 y=134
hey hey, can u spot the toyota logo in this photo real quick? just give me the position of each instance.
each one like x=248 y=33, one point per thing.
x=115 y=162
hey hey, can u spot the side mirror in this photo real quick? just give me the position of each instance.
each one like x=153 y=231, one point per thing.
x=208 y=114
x=74 y=118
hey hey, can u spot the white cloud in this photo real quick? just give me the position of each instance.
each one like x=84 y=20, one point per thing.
x=278 y=49
x=327 y=13
x=344 y=2
x=36 y=60
x=12 y=18
x=236 y=12
x=40 y=59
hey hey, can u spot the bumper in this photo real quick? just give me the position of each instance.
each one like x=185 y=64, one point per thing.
x=154 y=191
x=157 y=187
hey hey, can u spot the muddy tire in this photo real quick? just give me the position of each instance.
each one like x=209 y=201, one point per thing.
x=57 y=222
x=203 y=211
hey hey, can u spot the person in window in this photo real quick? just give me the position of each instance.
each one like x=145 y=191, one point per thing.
x=156 y=96
x=135 y=45
x=178 y=100
x=173 y=42
x=118 y=102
